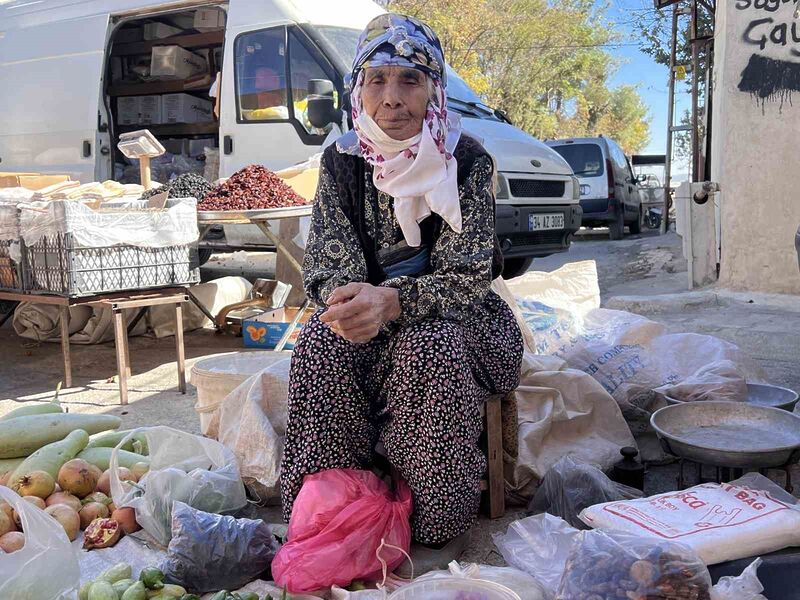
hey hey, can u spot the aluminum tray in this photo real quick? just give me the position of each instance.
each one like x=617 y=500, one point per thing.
x=762 y=394
x=248 y=216
x=729 y=434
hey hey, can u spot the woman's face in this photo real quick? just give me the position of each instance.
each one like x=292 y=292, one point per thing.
x=396 y=98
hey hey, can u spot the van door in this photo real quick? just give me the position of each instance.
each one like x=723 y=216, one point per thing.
x=264 y=98
x=51 y=77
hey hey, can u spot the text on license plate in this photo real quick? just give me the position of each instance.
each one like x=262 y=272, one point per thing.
x=545 y=221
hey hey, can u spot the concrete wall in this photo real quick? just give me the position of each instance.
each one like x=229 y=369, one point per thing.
x=756 y=143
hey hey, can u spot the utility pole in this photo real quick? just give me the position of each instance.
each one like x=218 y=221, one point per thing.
x=670 y=120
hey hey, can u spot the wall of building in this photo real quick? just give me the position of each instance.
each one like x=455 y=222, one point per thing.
x=756 y=143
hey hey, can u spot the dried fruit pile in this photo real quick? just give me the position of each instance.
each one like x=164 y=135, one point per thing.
x=251 y=188
x=188 y=185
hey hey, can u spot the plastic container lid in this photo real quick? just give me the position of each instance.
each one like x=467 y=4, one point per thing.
x=240 y=365
x=454 y=588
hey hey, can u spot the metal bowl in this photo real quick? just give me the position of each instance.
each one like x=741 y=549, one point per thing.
x=729 y=434
x=762 y=394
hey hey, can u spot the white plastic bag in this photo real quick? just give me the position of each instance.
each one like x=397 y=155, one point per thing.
x=47 y=566
x=520 y=582
x=721 y=522
x=191 y=469
x=744 y=587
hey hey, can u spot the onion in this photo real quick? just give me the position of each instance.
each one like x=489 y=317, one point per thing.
x=98 y=472
x=104 y=484
x=36 y=501
x=64 y=498
x=139 y=469
x=12 y=541
x=5 y=507
x=6 y=523
x=77 y=477
x=97 y=497
x=69 y=519
x=126 y=517
x=36 y=483
x=92 y=511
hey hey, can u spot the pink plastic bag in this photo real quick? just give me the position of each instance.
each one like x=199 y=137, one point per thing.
x=338 y=521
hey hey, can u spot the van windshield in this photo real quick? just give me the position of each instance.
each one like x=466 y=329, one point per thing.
x=586 y=160
x=343 y=42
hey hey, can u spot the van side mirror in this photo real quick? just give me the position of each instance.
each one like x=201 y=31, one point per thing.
x=321 y=105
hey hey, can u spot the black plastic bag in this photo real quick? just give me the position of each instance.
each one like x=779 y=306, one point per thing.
x=210 y=552
x=569 y=486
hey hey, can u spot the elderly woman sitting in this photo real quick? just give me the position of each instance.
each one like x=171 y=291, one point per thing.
x=401 y=255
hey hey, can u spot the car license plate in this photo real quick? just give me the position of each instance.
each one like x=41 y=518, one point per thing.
x=540 y=222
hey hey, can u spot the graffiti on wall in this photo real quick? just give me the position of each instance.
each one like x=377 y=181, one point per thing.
x=773 y=32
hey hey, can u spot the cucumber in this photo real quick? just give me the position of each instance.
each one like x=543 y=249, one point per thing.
x=102 y=590
x=100 y=457
x=22 y=436
x=33 y=409
x=52 y=457
x=112 y=438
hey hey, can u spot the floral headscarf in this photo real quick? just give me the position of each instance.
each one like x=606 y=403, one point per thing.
x=398 y=40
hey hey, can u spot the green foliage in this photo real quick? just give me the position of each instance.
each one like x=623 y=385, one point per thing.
x=545 y=63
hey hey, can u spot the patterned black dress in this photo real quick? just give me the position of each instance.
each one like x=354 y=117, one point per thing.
x=418 y=386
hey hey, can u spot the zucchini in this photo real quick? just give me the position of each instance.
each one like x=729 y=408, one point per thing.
x=110 y=439
x=33 y=409
x=52 y=457
x=9 y=464
x=100 y=457
x=22 y=436
x=119 y=571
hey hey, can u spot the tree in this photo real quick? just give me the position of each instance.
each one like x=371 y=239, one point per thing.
x=546 y=64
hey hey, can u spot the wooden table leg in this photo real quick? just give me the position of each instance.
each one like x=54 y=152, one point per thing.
x=494 y=436
x=121 y=341
x=64 y=322
x=179 y=347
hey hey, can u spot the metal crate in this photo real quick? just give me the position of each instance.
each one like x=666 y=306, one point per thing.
x=57 y=265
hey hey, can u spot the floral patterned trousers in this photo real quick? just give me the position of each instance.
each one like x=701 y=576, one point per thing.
x=419 y=391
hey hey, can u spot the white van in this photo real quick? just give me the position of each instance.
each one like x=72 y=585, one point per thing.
x=609 y=189
x=75 y=75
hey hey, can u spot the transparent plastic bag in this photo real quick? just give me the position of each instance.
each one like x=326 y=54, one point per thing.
x=570 y=485
x=183 y=467
x=519 y=582
x=340 y=519
x=744 y=587
x=614 y=565
x=204 y=546
x=46 y=547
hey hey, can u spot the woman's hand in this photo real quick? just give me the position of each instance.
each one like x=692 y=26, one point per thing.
x=356 y=311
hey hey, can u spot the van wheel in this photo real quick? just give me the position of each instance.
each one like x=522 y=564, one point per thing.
x=514 y=267
x=616 y=229
x=204 y=254
x=636 y=226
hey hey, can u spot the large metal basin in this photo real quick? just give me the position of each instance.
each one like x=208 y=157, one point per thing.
x=762 y=394
x=729 y=434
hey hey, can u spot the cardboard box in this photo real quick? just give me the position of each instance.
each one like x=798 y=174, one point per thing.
x=150 y=110
x=31 y=182
x=266 y=330
x=185 y=108
x=128 y=110
x=208 y=18
x=173 y=62
x=159 y=31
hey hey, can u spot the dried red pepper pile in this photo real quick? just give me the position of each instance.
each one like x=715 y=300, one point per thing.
x=251 y=188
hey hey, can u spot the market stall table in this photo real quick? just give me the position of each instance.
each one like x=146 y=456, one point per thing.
x=261 y=219
x=117 y=302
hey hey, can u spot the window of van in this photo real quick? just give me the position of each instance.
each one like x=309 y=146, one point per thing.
x=303 y=67
x=261 y=75
x=586 y=160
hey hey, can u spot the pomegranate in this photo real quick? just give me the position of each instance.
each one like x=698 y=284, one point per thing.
x=104 y=484
x=97 y=497
x=98 y=472
x=36 y=501
x=126 y=517
x=12 y=541
x=64 y=498
x=5 y=507
x=77 y=477
x=139 y=469
x=69 y=519
x=6 y=524
x=101 y=533
x=5 y=477
x=111 y=507
x=92 y=511
x=35 y=483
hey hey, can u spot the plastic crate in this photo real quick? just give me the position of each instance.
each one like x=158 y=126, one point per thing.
x=56 y=265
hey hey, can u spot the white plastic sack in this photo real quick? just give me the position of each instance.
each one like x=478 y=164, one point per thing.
x=87 y=325
x=721 y=522
x=520 y=582
x=47 y=566
x=191 y=469
x=253 y=425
